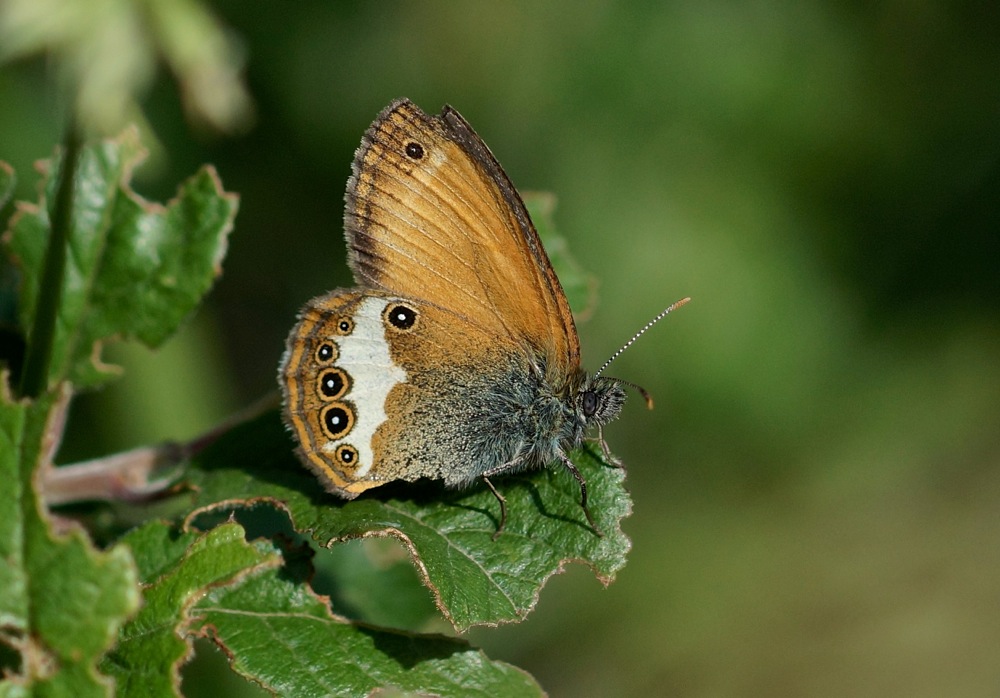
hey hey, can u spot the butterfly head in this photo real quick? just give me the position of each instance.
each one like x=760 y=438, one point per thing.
x=600 y=400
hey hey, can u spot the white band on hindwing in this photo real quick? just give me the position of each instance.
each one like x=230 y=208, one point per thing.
x=364 y=356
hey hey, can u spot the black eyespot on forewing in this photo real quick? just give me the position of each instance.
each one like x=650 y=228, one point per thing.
x=400 y=317
x=414 y=150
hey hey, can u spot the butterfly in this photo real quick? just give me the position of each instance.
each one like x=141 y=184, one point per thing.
x=455 y=357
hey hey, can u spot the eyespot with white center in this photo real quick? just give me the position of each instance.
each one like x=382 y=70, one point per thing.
x=337 y=420
x=344 y=326
x=400 y=317
x=414 y=150
x=346 y=455
x=332 y=384
x=326 y=353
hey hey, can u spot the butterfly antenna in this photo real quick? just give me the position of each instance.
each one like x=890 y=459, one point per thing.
x=642 y=391
x=636 y=336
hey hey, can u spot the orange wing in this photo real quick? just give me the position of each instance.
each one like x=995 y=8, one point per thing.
x=432 y=216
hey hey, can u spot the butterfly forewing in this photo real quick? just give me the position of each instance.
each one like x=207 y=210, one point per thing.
x=431 y=215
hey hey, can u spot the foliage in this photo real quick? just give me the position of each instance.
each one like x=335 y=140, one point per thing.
x=106 y=55
x=95 y=263
x=78 y=617
x=63 y=601
x=134 y=270
x=448 y=534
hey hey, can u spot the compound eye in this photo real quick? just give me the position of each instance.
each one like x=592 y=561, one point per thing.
x=589 y=402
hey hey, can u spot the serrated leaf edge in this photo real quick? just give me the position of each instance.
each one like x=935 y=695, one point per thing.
x=411 y=549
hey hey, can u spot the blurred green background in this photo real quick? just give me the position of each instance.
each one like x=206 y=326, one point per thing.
x=817 y=498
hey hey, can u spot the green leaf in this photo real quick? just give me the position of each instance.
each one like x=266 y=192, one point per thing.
x=282 y=636
x=274 y=629
x=176 y=570
x=474 y=579
x=134 y=269
x=579 y=286
x=373 y=580
x=62 y=601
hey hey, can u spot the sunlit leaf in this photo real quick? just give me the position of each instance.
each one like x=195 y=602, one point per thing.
x=282 y=636
x=177 y=570
x=134 y=269
x=62 y=601
x=274 y=629
x=449 y=534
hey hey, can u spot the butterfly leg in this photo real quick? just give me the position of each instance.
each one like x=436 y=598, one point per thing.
x=503 y=506
x=609 y=457
x=583 y=493
x=506 y=467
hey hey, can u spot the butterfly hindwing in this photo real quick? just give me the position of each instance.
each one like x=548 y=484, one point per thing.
x=382 y=388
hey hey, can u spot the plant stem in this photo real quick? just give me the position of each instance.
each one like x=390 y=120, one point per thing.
x=139 y=474
x=38 y=353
